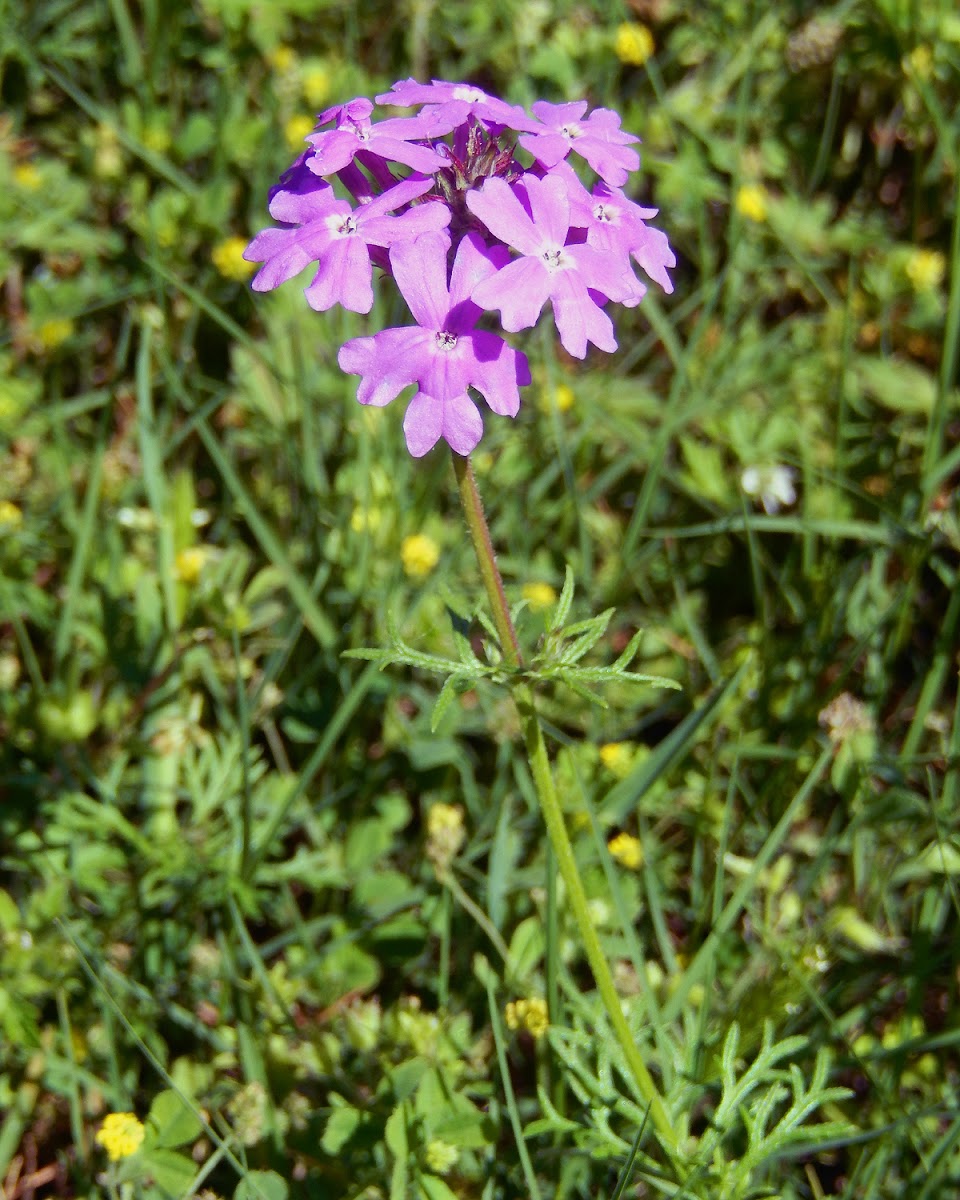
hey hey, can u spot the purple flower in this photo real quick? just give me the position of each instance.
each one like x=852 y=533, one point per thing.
x=612 y=222
x=548 y=268
x=443 y=353
x=320 y=228
x=515 y=237
x=599 y=139
x=335 y=148
x=452 y=104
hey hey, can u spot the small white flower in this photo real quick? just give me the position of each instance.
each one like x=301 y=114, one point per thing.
x=773 y=485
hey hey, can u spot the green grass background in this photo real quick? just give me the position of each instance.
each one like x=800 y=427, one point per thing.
x=215 y=896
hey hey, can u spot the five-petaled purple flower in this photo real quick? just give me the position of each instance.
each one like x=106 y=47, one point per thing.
x=446 y=203
x=443 y=353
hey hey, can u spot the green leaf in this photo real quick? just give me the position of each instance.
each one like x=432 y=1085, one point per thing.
x=173 y=1173
x=448 y=693
x=340 y=1128
x=171 y=1121
x=708 y=474
x=261 y=1185
x=898 y=385
x=562 y=610
x=434 y=1188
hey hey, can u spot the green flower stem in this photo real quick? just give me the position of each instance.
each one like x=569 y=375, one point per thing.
x=486 y=559
x=549 y=803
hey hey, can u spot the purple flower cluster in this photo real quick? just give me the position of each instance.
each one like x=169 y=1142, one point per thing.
x=443 y=204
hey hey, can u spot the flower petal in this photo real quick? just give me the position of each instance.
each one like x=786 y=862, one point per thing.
x=462 y=424
x=423 y=424
x=387 y=362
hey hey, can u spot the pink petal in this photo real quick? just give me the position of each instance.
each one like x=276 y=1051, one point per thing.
x=462 y=424
x=423 y=424
x=499 y=209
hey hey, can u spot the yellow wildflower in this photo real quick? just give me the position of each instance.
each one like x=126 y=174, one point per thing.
x=10 y=514
x=540 y=596
x=53 y=333
x=440 y=1156
x=282 y=59
x=562 y=398
x=296 y=130
x=158 y=138
x=926 y=269
x=189 y=563
x=27 y=176
x=633 y=43
x=227 y=257
x=445 y=833
x=919 y=62
x=121 y=1135
x=529 y=1014
x=627 y=850
x=751 y=202
x=315 y=83
x=419 y=554
x=364 y=519
x=617 y=757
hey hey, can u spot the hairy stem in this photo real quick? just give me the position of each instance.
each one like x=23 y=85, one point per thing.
x=550 y=805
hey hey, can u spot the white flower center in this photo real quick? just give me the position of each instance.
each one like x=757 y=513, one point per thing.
x=343 y=226
x=607 y=215
x=446 y=341
x=470 y=94
x=555 y=260
x=571 y=130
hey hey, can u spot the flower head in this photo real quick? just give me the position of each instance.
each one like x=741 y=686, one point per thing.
x=627 y=850
x=121 y=1135
x=597 y=138
x=320 y=228
x=751 y=202
x=925 y=269
x=772 y=485
x=576 y=278
x=443 y=354
x=445 y=834
x=227 y=257
x=633 y=43
x=440 y=201
x=440 y=1156
x=540 y=596
x=419 y=555
x=529 y=1014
